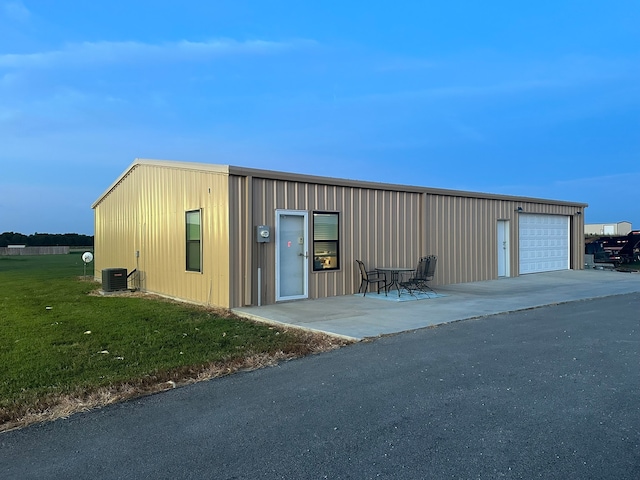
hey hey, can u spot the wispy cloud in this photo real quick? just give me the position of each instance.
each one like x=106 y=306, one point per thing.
x=603 y=181
x=8 y=114
x=15 y=11
x=509 y=77
x=580 y=189
x=402 y=64
x=498 y=89
x=110 y=53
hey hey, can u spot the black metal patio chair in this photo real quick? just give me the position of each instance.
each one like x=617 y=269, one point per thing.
x=411 y=283
x=424 y=273
x=369 y=277
x=429 y=272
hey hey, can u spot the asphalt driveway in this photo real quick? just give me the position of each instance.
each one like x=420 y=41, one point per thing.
x=550 y=392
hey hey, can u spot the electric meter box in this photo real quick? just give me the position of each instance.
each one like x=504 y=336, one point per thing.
x=263 y=234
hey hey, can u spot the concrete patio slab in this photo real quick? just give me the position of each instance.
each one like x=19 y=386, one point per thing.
x=357 y=317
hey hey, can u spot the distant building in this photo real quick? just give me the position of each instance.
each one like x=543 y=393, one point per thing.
x=620 y=228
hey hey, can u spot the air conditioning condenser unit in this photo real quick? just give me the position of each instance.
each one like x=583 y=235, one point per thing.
x=114 y=279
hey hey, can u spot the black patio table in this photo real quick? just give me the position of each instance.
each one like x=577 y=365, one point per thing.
x=394 y=276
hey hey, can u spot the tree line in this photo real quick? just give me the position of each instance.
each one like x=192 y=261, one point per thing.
x=46 y=239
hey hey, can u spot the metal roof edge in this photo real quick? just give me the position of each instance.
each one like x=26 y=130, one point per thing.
x=276 y=175
x=210 y=167
x=114 y=184
x=321 y=180
x=298 y=177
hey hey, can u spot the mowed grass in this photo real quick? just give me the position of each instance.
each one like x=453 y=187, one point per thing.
x=60 y=341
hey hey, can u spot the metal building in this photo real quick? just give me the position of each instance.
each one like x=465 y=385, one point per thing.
x=618 y=228
x=230 y=236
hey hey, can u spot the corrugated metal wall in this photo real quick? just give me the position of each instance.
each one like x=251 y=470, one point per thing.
x=619 y=228
x=379 y=227
x=146 y=213
x=241 y=241
x=462 y=232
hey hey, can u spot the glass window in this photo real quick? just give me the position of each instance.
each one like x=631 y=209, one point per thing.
x=194 y=248
x=326 y=241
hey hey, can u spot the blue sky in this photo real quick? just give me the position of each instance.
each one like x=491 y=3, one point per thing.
x=539 y=99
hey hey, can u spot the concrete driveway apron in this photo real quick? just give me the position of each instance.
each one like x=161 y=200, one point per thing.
x=358 y=317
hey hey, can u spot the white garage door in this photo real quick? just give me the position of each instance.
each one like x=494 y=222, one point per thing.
x=544 y=243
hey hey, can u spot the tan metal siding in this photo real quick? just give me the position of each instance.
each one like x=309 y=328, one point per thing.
x=383 y=225
x=462 y=232
x=116 y=228
x=379 y=227
x=146 y=213
x=241 y=241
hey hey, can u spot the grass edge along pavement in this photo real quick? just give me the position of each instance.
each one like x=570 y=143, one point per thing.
x=67 y=349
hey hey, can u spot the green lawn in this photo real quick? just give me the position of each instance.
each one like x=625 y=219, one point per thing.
x=58 y=340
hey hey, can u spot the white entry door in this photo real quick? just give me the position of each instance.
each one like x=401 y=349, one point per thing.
x=503 y=248
x=544 y=243
x=292 y=252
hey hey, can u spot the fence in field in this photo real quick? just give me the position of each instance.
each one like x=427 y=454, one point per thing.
x=80 y=249
x=4 y=251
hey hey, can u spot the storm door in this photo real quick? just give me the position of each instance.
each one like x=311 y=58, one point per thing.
x=292 y=253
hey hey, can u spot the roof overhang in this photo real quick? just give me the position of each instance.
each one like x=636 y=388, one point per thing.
x=296 y=177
